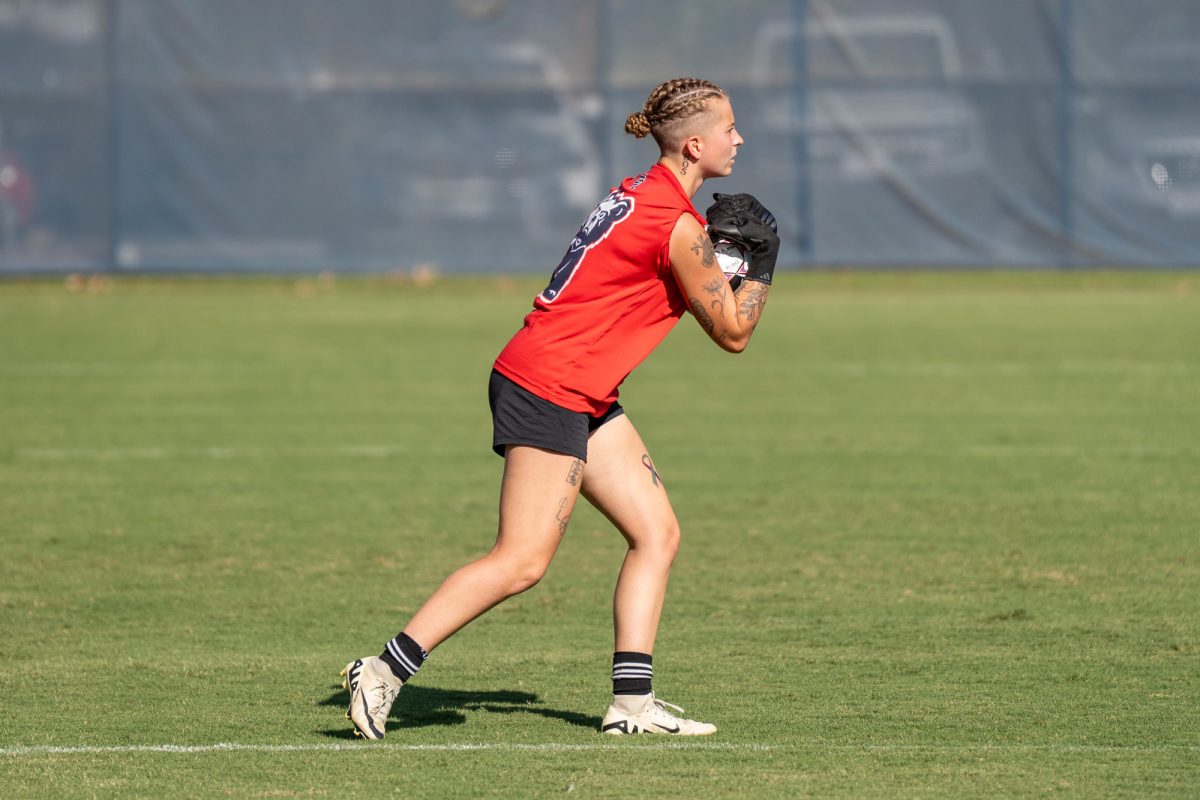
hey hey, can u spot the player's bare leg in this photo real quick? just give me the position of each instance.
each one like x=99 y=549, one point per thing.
x=537 y=497
x=621 y=481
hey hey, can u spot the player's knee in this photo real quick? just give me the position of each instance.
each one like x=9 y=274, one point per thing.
x=671 y=539
x=663 y=542
x=524 y=574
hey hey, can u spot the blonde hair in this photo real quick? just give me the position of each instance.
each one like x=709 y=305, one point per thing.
x=669 y=107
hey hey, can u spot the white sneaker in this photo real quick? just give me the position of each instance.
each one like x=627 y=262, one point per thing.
x=373 y=688
x=645 y=713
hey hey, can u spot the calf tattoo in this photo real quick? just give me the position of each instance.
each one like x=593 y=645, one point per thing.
x=648 y=464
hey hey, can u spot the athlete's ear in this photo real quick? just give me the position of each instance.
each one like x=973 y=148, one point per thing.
x=692 y=147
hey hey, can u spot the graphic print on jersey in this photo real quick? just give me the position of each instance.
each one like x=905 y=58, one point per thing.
x=595 y=229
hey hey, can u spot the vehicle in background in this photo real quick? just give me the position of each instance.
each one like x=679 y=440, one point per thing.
x=471 y=146
x=855 y=133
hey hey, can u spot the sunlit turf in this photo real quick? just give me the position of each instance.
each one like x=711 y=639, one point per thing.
x=941 y=538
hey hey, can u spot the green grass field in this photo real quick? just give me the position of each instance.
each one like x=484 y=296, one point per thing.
x=941 y=539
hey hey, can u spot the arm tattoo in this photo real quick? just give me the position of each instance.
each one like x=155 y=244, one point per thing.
x=716 y=287
x=702 y=316
x=752 y=300
x=576 y=471
x=703 y=247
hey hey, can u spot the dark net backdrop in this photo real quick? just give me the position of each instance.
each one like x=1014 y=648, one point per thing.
x=470 y=135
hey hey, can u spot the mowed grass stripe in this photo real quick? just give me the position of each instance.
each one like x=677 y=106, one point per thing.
x=843 y=368
x=222 y=747
x=371 y=451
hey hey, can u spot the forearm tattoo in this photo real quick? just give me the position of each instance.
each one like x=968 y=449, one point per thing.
x=751 y=299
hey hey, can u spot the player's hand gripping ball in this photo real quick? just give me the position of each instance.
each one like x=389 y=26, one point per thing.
x=745 y=237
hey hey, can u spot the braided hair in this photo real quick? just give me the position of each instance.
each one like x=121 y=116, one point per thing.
x=669 y=107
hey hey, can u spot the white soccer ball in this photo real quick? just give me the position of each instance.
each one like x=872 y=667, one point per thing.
x=731 y=258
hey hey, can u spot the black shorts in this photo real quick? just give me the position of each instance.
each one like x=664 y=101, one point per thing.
x=521 y=417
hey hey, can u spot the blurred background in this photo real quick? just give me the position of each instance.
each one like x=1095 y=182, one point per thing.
x=473 y=135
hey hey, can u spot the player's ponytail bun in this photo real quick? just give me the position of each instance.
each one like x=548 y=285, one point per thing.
x=638 y=125
x=669 y=107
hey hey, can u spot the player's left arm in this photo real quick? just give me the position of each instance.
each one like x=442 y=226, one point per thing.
x=728 y=317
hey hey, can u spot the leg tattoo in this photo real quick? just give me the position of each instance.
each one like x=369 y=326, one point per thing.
x=576 y=471
x=561 y=518
x=648 y=464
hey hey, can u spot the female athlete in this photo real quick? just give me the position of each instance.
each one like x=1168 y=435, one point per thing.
x=641 y=260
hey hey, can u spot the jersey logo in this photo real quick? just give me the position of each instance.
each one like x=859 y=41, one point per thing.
x=599 y=224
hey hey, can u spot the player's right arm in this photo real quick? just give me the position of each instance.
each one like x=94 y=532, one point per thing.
x=727 y=316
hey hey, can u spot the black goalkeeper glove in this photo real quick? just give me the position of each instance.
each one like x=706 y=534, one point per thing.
x=741 y=218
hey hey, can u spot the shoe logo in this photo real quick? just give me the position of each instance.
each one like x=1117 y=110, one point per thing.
x=383 y=697
x=378 y=734
x=668 y=730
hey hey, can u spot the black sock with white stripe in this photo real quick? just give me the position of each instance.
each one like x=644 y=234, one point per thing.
x=404 y=656
x=632 y=673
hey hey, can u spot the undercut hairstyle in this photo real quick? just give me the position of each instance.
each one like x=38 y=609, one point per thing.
x=670 y=108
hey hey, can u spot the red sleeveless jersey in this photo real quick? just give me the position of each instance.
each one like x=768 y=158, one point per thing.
x=610 y=301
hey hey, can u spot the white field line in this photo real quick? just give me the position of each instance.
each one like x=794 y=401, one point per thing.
x=28 y=751
x=20 y=751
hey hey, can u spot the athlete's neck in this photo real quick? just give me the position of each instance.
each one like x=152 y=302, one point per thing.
x=686 y=172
